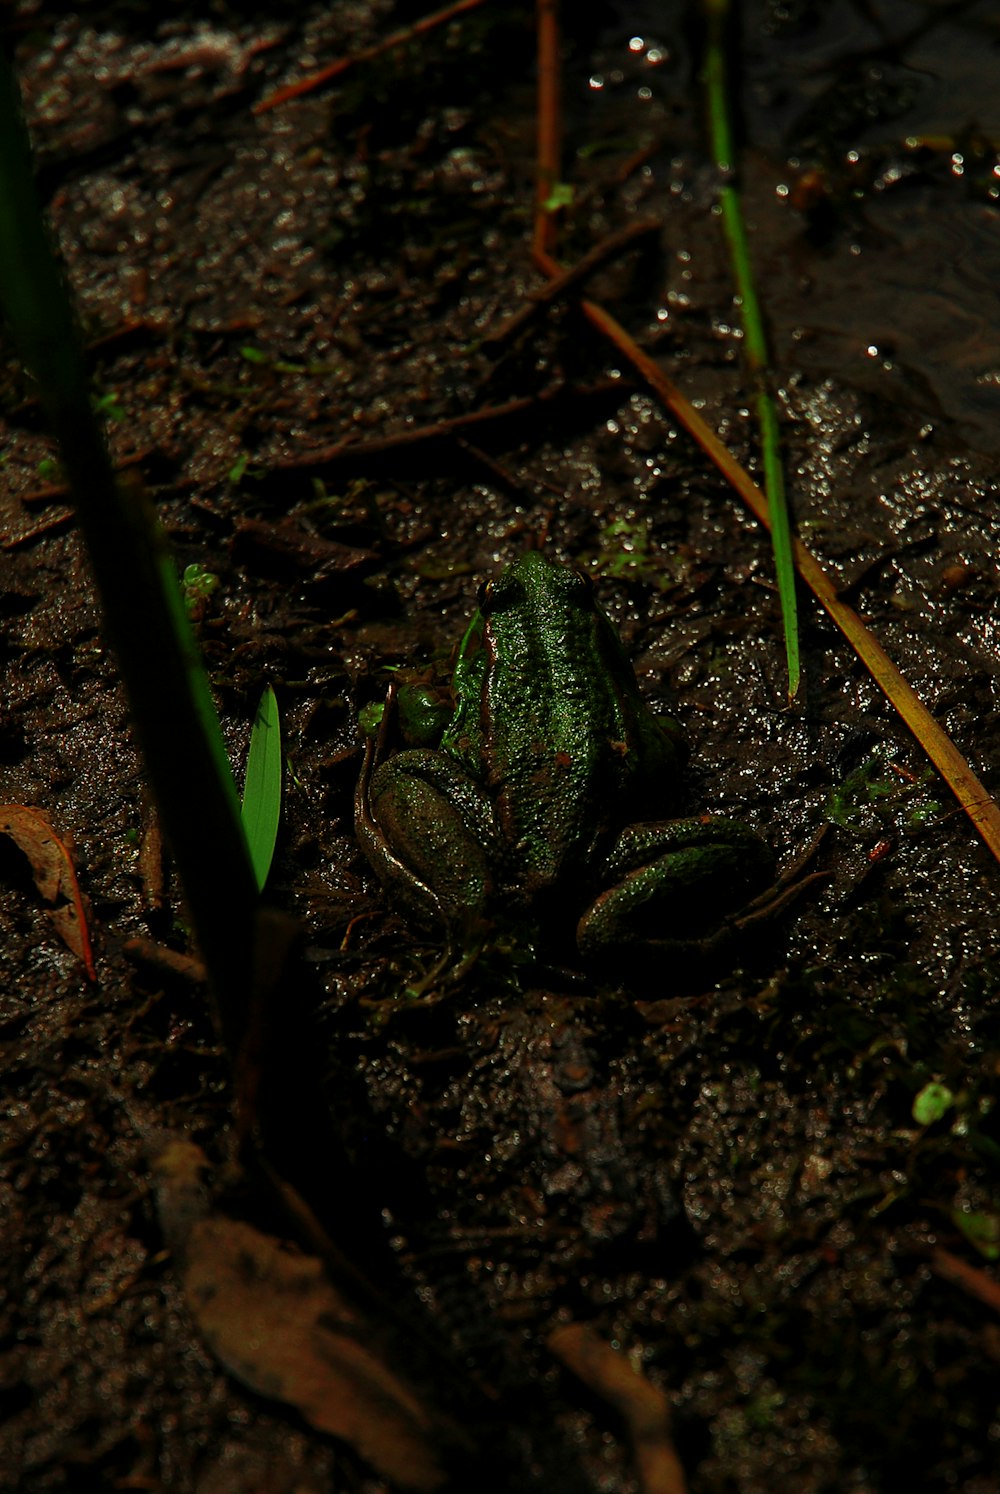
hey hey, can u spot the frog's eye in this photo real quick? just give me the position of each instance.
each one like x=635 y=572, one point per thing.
x=583 y=587
x=500 y=594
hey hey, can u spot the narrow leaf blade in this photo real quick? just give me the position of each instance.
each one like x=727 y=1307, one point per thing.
x=262 y=789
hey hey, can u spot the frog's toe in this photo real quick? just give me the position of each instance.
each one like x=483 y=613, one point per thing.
x=785 y=890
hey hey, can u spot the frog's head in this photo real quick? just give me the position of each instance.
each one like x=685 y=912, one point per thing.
x=583 y=652
x=534 y=581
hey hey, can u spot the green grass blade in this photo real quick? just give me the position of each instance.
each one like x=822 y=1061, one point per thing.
x=146 y=620
x=781 y=535
x=754 y=337
x=262 y=789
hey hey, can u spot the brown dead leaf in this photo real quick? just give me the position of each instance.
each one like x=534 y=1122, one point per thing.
x=270 y=1314
x=55 y=877
x=641 y=1405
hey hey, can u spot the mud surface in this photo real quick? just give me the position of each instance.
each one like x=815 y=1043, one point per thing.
x=725 y=1176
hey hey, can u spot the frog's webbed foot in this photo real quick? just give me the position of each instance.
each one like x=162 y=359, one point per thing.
x=447 y=972
x=785 y=890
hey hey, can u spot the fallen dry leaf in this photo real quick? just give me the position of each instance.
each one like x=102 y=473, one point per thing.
x=55 y=877
x=641 y=1405
x=273 y=1318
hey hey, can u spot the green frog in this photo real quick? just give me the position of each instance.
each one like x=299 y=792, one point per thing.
x=541 y=804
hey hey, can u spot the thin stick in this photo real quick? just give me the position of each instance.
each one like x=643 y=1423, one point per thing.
x=343 y=64
x=388 y=454
x=560 y=285
x=977 y=1283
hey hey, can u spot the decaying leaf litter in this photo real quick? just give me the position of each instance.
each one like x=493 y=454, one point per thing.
x=532 y=1147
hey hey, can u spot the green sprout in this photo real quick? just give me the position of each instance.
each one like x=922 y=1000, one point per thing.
x=108 y=405
x=933 y=1101
x=561 y=196
x=874 y=796
x=197 y=585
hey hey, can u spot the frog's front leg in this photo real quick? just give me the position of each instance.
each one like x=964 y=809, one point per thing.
x=673 y=883
x=427 y=828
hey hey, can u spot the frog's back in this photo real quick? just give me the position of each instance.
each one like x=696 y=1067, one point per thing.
x=570 y=739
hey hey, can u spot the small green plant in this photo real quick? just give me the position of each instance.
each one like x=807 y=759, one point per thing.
x=561 y=196
x=933 y=1101
x=877 y=795
x=236 y=472
x=197 y=584
x=625 y=549
x=108 y=405
x=718 y=16
x=250 y=354
x=628 y=553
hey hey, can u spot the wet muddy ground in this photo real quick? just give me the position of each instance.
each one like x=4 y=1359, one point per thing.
x=724 y=1176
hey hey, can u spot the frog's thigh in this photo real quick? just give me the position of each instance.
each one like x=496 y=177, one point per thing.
x=675 y=882
x=432 y=833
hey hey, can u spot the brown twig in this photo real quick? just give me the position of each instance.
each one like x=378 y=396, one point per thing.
x=343 y=64
x=397 y=454
x=559 y=286
x=51 y=491
x=143 y=951
x=637 y=159
x=493 y=472
x=969 y=1278
x=11 y=540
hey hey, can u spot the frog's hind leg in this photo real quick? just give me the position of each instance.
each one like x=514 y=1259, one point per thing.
x=412 y=819
x=676 y=884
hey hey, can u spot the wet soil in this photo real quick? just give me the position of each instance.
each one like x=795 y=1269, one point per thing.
x=724 y=1175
